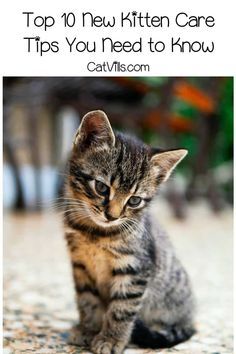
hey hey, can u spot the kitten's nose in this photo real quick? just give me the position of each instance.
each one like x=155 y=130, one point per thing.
x=109 y=216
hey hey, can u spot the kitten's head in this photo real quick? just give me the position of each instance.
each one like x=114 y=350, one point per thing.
x=113 y=177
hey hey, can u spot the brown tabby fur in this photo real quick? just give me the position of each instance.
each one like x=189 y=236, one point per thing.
x=130 y=286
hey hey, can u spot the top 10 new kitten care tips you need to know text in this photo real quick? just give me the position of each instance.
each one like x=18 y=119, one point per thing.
x=38 y=28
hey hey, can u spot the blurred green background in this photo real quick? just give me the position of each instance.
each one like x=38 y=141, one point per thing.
x=41 y=116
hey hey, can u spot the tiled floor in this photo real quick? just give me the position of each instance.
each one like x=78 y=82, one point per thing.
x=38 y=289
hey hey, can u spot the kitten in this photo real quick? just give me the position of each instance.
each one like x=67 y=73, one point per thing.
x=130 y=286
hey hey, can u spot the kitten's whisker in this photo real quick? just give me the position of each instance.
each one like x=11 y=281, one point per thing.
x=63 y=207
x=134 y=226
x=64 y=199
x=63 y=203
x=74 y=216
x=127 y=228
x=124 y=230
x=63 y=174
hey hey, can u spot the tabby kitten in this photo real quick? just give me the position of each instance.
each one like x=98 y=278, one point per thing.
x=130 y=286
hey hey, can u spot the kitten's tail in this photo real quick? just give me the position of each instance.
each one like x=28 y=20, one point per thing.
x=147 y=338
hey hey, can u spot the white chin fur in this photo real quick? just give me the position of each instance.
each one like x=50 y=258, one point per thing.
x=105 y=224
x=100 y=221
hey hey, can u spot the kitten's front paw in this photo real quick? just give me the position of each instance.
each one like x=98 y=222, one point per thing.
x=106 y=345
x=80 y=338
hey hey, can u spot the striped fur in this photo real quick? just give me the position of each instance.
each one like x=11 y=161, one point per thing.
x=127 y=277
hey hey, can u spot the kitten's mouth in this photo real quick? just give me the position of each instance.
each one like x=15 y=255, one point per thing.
x=106 y=223
x=102 y=221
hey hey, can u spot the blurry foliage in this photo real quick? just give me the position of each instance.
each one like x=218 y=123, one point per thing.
x=226 y=121
x=223 y=146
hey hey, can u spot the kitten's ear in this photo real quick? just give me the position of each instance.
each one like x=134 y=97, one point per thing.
x=165 y=162
x=94 y=130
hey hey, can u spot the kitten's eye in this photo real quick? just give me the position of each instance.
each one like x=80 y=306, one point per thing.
x=101 y=188
x=134 y=201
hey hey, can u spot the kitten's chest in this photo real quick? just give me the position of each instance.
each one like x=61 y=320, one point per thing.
x=98 y=264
